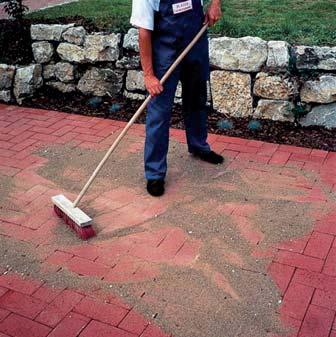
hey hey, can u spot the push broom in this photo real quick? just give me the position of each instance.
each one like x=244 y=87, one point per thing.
x=73 y=216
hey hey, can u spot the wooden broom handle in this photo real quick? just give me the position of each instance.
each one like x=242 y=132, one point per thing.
x=137 y=114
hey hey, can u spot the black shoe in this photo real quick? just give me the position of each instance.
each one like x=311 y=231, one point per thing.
x=155 y=187
x=210 y=157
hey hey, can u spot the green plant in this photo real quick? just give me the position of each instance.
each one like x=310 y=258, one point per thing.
x=15 y=9
x=299 y=111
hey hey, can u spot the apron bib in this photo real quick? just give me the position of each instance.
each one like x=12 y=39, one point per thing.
x=175 y=25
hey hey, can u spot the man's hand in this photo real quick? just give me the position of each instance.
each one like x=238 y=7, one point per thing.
x=214 y=13
x=153 y=85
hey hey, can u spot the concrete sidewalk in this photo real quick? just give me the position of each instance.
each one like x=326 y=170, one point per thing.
x=243 y=249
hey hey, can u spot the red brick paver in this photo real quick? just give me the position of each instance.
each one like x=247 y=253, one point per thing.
x=34 y=5
x=303 y=268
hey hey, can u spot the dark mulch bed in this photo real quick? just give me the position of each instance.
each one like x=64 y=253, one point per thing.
x=15 y=42
x=15 y=38
x=274 y=132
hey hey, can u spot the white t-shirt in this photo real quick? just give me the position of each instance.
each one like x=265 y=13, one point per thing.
x=143 y=13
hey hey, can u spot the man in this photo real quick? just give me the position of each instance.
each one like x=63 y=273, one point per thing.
x=166 y=27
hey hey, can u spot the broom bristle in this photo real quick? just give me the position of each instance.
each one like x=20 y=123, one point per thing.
x=58 y=211
x=84 y=233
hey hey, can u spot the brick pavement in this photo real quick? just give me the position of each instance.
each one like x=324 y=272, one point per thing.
x=34 y=5
x=302 y=268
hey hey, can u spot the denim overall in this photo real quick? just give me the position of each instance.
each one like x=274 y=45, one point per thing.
x=172 y=33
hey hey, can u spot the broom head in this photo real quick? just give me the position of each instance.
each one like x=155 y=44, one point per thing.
x=74 y=217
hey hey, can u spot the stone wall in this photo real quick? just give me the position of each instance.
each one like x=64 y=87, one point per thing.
x=250 y=77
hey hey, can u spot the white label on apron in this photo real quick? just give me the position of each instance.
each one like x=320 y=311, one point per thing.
x=182 y=7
